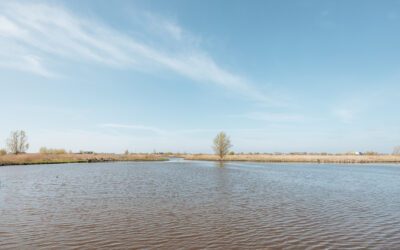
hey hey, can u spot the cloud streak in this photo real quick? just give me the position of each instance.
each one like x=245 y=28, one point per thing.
x=133 y=127
x=32 y=35
x=274 y=117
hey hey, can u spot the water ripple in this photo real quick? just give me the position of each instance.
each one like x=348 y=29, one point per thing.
x=195 y=205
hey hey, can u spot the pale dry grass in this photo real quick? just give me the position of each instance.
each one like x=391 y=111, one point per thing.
x=302 y=158
x=28 y=159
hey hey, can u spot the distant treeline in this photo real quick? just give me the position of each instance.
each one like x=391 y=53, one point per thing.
x=17 y=143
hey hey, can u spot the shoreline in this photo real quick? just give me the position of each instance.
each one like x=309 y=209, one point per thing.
x=45 y=159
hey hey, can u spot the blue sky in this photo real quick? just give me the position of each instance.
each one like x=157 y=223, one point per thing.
x=277 y=76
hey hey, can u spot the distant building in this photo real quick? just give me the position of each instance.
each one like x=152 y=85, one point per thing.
x=354 y=153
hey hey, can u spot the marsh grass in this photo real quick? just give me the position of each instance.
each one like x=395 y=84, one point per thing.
x=300 y=158
x=29 y=159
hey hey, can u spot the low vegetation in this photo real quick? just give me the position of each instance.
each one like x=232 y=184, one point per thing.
x=44 y=150
x=30 y=159
x=17 y=144
x=311 y=158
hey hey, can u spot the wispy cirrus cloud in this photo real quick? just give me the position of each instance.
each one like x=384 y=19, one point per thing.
x=133 y=127
x=176 y=132
x=32 y=34
x=274 y=117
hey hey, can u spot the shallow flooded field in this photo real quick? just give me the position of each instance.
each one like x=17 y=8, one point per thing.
x=183 y=204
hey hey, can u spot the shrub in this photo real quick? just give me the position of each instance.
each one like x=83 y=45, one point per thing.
x=86 y=152
x=3 y=152
x=44 y=150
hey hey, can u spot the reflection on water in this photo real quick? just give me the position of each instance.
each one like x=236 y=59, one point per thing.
x=220 y=164
x=181 y=204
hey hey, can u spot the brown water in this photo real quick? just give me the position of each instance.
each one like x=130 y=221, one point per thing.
x=170 y=205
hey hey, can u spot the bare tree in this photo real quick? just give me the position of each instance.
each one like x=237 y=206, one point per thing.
x=222 y=144
x=18 y=142
x=396 y=150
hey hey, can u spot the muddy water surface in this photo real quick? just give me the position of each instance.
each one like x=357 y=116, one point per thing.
x=169 y=205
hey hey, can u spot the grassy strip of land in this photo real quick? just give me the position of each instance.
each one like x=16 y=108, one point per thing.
x=30 y=159
x=300 y=158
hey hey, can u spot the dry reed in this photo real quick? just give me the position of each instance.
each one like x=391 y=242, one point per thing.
x=302 y=158
x=28 y=159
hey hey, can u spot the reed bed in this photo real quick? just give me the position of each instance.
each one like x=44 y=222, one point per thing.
x=29 y=159
x=301 y=158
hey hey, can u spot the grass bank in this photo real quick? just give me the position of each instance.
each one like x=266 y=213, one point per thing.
x=301 y=158
x=30 y=159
